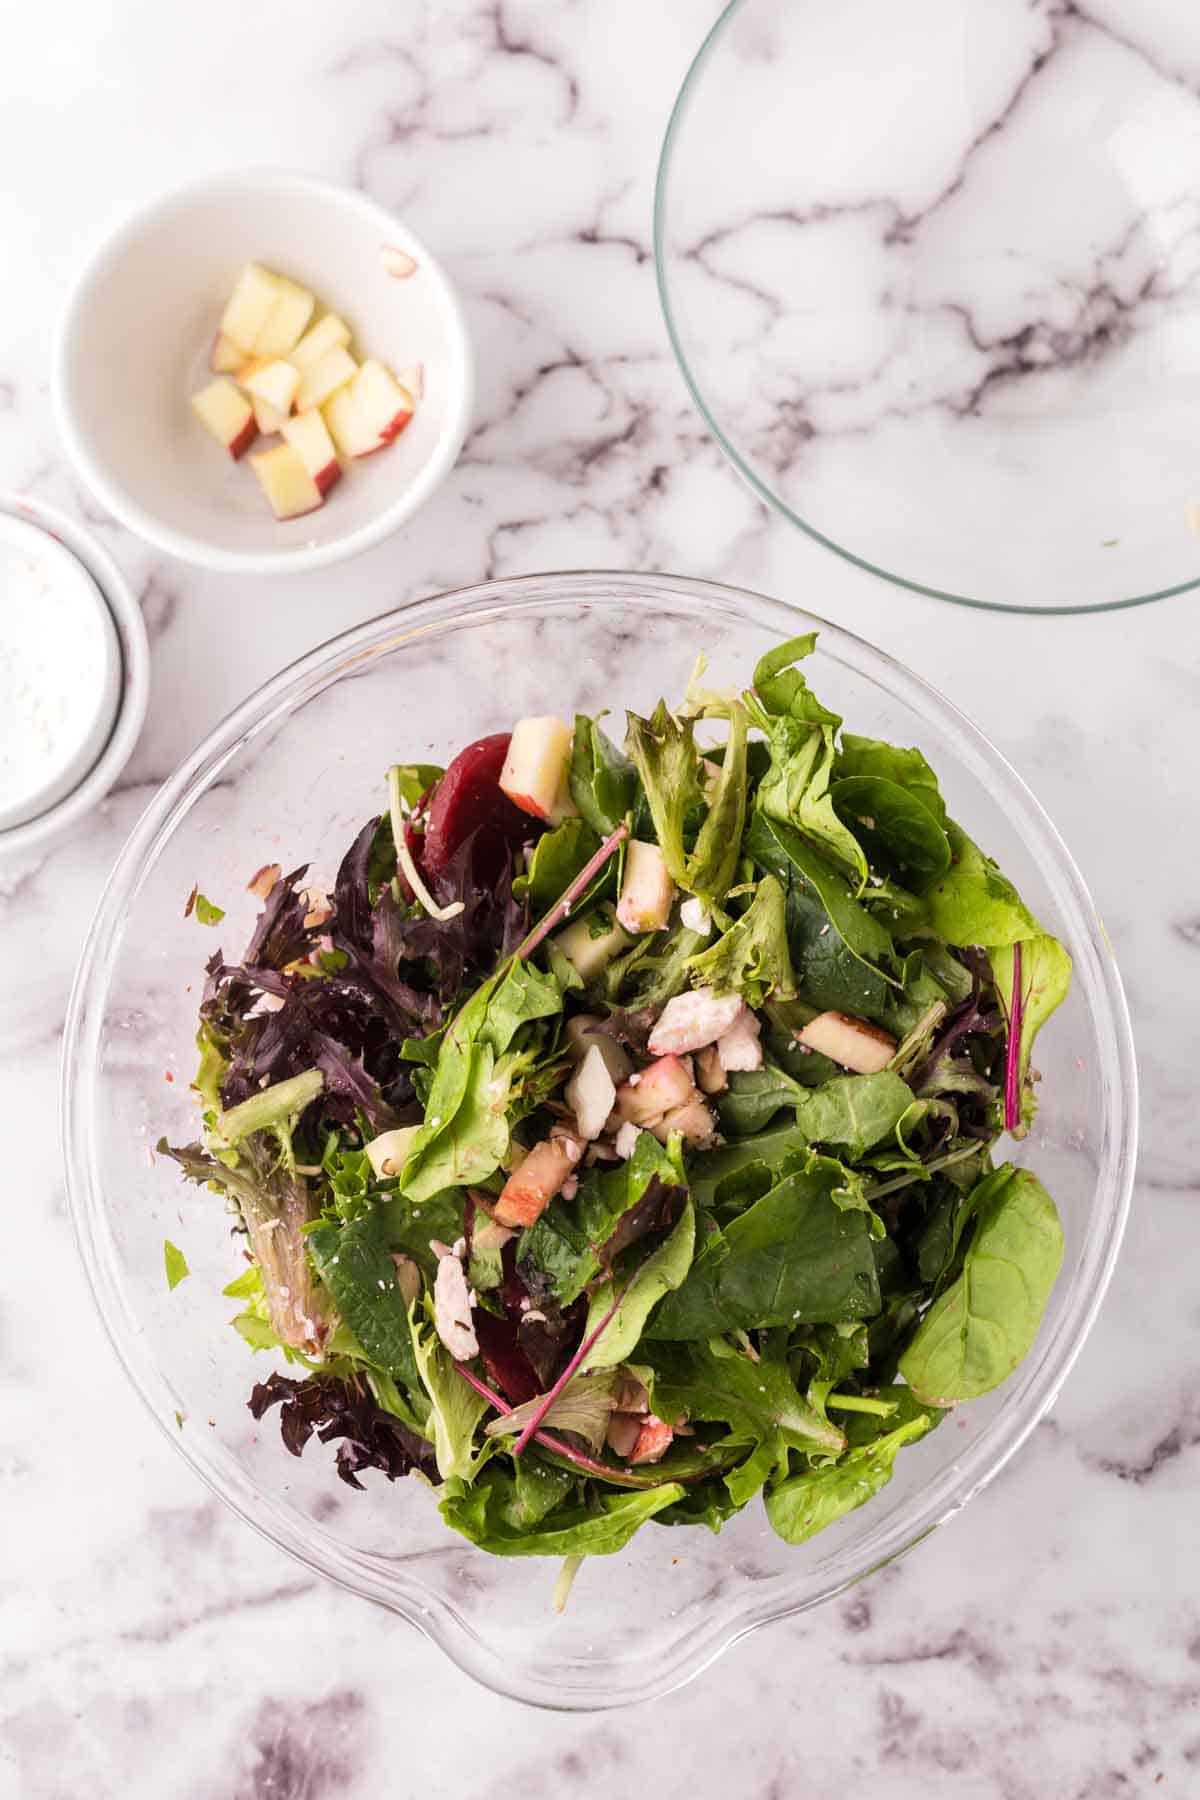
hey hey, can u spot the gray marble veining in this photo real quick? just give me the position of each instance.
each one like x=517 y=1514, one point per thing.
x=1046 y=1645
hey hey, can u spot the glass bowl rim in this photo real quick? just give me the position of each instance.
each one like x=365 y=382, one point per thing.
x=697 y=68
x=587 y=1687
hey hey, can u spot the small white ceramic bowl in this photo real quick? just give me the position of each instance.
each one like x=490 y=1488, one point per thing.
x=67 y=808
x=134 y=344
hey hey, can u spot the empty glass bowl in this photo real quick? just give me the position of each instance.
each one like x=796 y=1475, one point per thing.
x=289 y=777
x=931 y=273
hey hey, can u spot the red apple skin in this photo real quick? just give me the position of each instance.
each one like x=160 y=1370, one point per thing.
x=530 y=806
x=326 y=478
x=468 y=799
x=391 y=432
x=244 y=439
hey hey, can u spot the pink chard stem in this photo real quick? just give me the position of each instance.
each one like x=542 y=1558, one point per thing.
x=552 y=1394
x=580 y=885
x=1012 y=1065
x=551 y=1441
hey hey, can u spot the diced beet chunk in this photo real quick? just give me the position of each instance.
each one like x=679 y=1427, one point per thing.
x=468 y=799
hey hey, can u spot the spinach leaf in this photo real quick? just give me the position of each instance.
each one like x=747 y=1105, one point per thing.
x=899 y=834
x=975 y=1334
x=871 y=758
x=455 y=1409
x=852 y=1112
x=356 y=1266
x=751 y=958
x=755 y=1399
x=641 y=1287
x=482 y=1511
x=537 y=1488
x=566 y=1243
x=557 y=858
x=800 y=735
x=603 y=782
x=753 y=1098
x=768 y=1461
x=465 y=1135
x=974 y=903
x=738 y=1173
x=796 y=1254
x=837 y=946
x=806 y=1503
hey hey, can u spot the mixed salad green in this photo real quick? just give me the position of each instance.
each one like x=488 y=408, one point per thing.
x=616 y=1140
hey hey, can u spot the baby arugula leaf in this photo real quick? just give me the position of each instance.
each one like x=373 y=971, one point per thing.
x=755 y=1399
x=806 y=1503
x=978 y=1330
x=663 y=750
x=465 y=1136
x=175 y=1264
x=751 y=958
x=712 y=866
x=356 y=1267
x=455 y=1409
x=640 y=1288
x=574 y=1239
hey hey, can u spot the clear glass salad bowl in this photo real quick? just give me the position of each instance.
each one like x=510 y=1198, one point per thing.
x=290 y=777
x=931 y=274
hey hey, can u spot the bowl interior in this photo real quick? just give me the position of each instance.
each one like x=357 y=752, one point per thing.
x=136 y=341
x=931 y=273
x=290 y=778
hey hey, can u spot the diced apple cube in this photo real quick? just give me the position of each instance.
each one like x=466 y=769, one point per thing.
x=740 y=1047
x=322 y=378
x=273 y=380
x=226 y=357
x=534 y=775
x=227 y=414
x=590 y=943
x=286 y=482
x=308 y=434
x=584 y=1034
x=385 y=406
x=286 y=320
x=268 y=418
x=657 y=1090
x=591 y=1094
x=250 y=305
x=646 y=890
x=854 y=1043
x=329 y=333
x=529 y=1190
x=693 y=1120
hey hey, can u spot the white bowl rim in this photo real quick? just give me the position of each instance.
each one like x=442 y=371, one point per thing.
x=122 y=604
x=199 y=551
x=587 y=1689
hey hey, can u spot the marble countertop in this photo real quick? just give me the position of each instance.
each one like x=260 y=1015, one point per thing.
x=1047 y=1644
